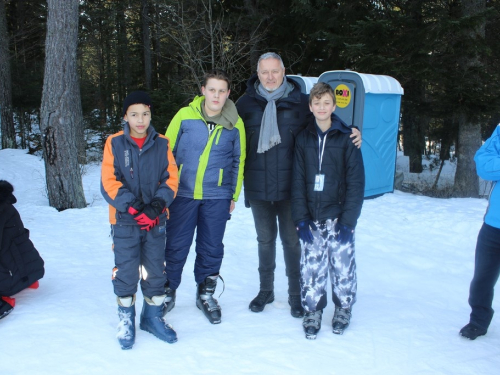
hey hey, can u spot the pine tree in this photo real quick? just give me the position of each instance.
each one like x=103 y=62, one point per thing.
x=61 y=113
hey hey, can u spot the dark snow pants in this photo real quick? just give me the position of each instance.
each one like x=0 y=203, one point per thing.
x=139 y=255
x=486 y=272
x=209 y=217
x=325 y=255
x=264 y=215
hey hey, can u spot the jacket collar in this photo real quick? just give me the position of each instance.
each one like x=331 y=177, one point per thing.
x=337 y=125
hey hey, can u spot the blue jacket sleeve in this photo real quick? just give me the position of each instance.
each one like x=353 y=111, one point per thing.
x=487 y=158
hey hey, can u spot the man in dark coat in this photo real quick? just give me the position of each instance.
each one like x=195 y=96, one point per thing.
x=20 y=263
x=274 y=111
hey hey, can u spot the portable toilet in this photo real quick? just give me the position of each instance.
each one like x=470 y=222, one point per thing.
x=372 y=103
x=306 y=83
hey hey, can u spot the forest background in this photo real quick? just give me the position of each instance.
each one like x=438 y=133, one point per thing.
x=67 y=65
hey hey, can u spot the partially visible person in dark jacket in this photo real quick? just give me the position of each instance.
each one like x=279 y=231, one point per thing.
x=274 y=111
x=20 y=263
x=327 y=195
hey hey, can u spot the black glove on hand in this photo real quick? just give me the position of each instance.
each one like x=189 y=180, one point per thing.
x=304 y=230
x=136 y=207
x=149 y=214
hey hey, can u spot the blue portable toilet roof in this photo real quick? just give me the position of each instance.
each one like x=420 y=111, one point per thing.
x=306 y=83
x=373 y=83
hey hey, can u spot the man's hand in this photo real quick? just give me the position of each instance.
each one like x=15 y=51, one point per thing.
x=356 y=134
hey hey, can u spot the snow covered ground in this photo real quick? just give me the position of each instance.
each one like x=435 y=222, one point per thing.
x=415 y=261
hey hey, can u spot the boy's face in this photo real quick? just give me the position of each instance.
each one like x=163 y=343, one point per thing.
x=271 y=74
x=323 y=107
x=138 y=117
x=216 y=93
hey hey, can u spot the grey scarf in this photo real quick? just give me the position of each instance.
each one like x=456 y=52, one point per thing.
x=269 y=133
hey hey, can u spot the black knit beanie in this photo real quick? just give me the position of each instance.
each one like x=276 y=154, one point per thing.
x=137 y=97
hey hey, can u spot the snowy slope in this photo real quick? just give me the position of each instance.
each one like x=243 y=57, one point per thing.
x=415 y=261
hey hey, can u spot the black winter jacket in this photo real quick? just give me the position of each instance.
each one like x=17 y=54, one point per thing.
x=20 y=263
x=268 y=176
x=344 y=184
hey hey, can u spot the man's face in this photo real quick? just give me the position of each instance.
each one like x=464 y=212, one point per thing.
x=216 y=93
x=271 y=74
x=139 y=118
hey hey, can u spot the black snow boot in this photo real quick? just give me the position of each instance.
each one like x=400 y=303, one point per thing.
x=312 y=324
x=341 y=319
x=205 y=299
x=263 y=298
x=169 y=303
x=152 y=320
x=5 y=308
x=472 y=331
x=126 y=326
x=296 y=309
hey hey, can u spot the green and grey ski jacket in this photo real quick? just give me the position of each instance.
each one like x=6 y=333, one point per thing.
x=210 y=162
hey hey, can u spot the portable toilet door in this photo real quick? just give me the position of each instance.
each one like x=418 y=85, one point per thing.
x=306 y=83
x=372 y=103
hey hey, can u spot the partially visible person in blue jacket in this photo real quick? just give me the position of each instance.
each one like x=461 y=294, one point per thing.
x=487 y=259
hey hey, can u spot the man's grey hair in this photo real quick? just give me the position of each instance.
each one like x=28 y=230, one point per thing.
x=270 y=55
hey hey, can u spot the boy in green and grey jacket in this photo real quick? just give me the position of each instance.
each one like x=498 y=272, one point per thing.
x=208 y=143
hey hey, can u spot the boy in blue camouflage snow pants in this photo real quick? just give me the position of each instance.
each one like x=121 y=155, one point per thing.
x=327 y=195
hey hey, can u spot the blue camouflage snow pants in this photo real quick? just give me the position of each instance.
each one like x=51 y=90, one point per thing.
x=325 y=255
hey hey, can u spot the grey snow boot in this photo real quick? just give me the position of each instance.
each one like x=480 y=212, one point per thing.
x=152 y=320
x=341 y=320
x=312 y=323
x=169 y=302
x=205 y=299
x=126 y=326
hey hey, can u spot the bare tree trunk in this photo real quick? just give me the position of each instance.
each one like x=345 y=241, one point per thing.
x=157 y=44
x=413 y=138
x=251 y=7
x=146 y=40
x=211 y=32
x=61 y=112
x=441 y=165
x=122 y=58
x=469 y=141
x=6 y=119
x=469 y=131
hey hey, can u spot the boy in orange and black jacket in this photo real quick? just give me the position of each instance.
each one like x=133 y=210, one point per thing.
x=139 y=181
